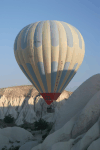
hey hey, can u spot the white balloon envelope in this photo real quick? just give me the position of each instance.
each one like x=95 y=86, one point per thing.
x=49 y=53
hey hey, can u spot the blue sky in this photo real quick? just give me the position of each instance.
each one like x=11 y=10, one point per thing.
x=16 y=14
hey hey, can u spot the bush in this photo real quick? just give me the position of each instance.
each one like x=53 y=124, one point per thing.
x=25 y=126
x=40 y=125
x=12 y=148
x=48 y=130
x=15 y=148
x=8 y=119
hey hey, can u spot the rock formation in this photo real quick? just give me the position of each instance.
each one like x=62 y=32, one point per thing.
x=76 y=120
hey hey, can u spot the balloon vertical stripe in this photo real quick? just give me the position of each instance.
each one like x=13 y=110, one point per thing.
x=38 y=53
x=24 y=37
x=68 y=34
x=46 y=51
x=54 y=34
x=64 y=72
x=42 y=74
x=54 y=53
x=80 y=41
x=68 y=79
x=54 y=66
x=38 y=34
x=33 y=75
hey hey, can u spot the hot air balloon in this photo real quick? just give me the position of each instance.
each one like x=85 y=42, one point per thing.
x=49 y=53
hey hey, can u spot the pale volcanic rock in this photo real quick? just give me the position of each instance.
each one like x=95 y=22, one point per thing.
x=88 y=138
x=77 y=101
x=28 y=145
x=77 y=108
x=95 y=145
x=19 y=102
x=14 y=134
x=88 y=116
x=63 y=134
x=31 y=116
x=63 y=145
x=76 y=119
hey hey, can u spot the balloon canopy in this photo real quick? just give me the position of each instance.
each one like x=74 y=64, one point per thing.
x=49 y=53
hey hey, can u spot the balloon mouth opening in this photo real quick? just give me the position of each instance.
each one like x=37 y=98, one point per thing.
x=50 y=97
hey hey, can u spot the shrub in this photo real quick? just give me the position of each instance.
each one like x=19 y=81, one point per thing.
x=8 y=119
x=25 y=126
x=40 y=125
x=48 y=130
x=12 y=148
x=15 y=148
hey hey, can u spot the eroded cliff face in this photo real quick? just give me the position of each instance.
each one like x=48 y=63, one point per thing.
x=26 y=91
x=18 y=91
x=19 y=102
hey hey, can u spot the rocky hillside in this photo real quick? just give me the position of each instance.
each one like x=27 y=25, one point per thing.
x=26 y=91
x=19 y=102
